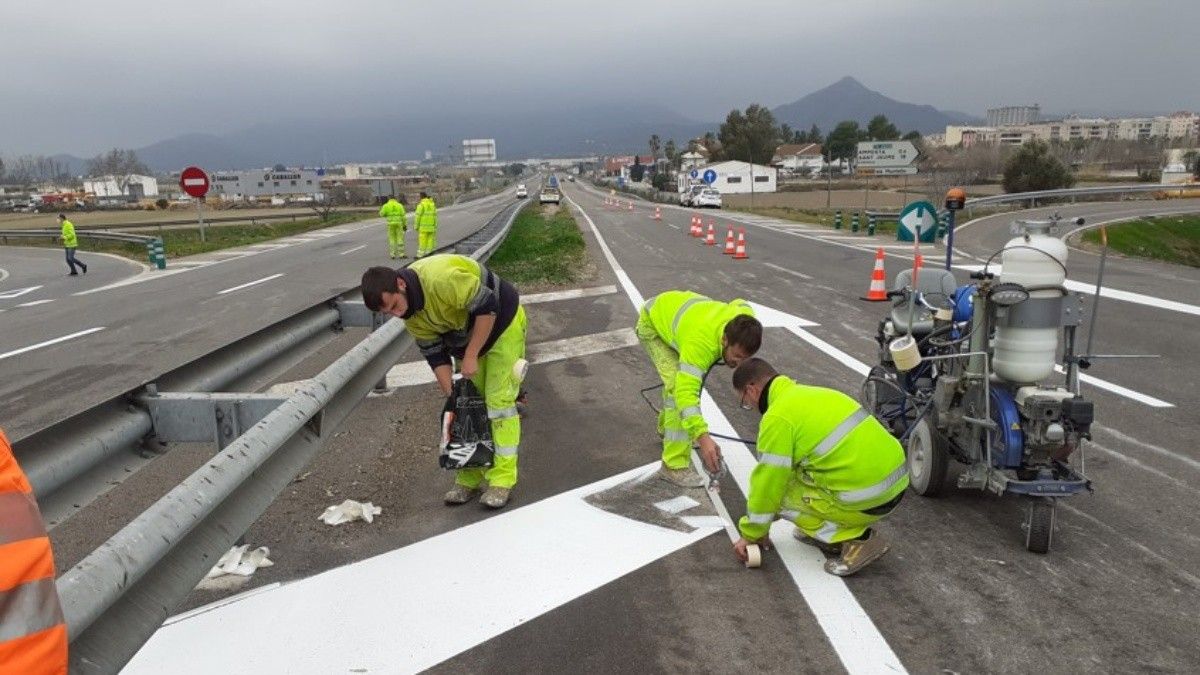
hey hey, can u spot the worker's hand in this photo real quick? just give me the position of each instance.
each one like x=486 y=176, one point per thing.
x=739 y=547
x=469 y=366
x=710 y=453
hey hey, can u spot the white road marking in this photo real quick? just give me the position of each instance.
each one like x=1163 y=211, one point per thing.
x=418 y=372
x=35 y=303
x=3 y=274
x=1119 y=390
x=674 y=226
x=47 y=343
x=418 y=594
x=1162 y=560
x=18 y=292
x=352 y=250
x=249 y=284
x=855 y=638
x=1125 y=438
x=554 y=296
x=787 y=271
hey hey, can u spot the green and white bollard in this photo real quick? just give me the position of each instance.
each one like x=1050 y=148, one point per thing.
x=871 y=224
x=854 y=222
x=160 y=257
x=837 y=220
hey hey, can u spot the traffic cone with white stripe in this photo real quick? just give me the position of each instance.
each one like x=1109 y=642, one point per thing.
x=695 y=232
x=878 y=290
x=711 y=239
x=740 y=252
x=630 y=204
x=658 y=213
x=730 y=246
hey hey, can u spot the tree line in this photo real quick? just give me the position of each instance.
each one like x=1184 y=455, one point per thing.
x=26 y=169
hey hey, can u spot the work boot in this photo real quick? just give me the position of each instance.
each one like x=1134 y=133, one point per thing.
x=84 y=267
x=496 y=497
x=857 y=554
x=828 y=549
x=685 y=477
x=460 y=494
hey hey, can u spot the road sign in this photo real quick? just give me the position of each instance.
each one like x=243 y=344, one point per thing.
x=885 y=170
x=694 y=173
x=710 y=176
x=194 y=181
x=918 y=221
x=886 y=153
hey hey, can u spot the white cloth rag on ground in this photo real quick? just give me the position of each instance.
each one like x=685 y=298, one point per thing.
x=240 y=562
x=350 y=510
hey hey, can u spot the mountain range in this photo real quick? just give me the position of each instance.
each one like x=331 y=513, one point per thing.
x=562 y=131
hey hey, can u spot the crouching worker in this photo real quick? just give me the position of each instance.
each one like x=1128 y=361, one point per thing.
x=685 y=334
x=824 y=463
x=456 y=309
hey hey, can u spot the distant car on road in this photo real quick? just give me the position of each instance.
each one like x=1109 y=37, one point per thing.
x=549 y=195
x=708 y=197
x=686 y=197
x=522 y=193
x=571 y=178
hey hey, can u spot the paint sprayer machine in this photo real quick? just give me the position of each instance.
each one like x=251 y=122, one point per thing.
x=965 y=373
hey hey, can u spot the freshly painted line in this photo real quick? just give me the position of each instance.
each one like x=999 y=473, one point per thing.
x=417 y=372
x=674 y=226
x=249 y=284
x=18 y=292
x=555 y=296
x=47 y=343
x=855 y=638
x=417 y=594
x=352 y=250
x=35 y=302
x=1119 y=390
x=838 y=355
x=1128 y=296
x=1125 y=438
x=787 y=271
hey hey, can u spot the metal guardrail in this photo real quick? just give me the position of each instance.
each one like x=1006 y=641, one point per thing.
x=1073 y=193
x=121 y=593
x=83 y=234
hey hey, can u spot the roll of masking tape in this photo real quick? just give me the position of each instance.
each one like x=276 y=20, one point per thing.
x=753 y=556
x=905 y=353
x=520 y=368
x=943 y=314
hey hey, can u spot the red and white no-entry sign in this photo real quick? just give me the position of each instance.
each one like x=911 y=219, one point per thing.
x=194 y=181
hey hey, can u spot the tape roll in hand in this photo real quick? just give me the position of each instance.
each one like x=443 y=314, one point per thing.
x=753 y=556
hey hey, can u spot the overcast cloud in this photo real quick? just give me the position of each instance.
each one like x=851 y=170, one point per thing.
x=81 y=77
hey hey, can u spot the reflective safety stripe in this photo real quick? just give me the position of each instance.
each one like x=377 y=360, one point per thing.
x=668 y=401
x=676 y=435
x=691 y=370
x=502 y=413
x=430 y=348
x=19 y=519
x=481 y=296
x=775 y=460
x=506 y=450
x=689 y=411
x=682 y=309
x=760 y=518
x=827 y=532
x=789 y=514
x=29 y=608
x=649 y=303
x=839 y=432
x=880 y=488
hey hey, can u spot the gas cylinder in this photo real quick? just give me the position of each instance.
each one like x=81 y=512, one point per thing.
x=1027 y=355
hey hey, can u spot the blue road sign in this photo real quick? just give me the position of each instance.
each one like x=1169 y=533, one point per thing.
x=694 y=173
x=321 y=172
x=710 y=176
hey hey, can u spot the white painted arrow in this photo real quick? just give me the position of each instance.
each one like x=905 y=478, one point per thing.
x=9 y=295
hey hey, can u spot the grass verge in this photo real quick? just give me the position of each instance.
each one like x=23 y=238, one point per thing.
x=178 y=243
x=544 y=246
x=824 y=218
x=1173 y=239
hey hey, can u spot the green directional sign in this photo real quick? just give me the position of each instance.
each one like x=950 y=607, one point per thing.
x=918 y=221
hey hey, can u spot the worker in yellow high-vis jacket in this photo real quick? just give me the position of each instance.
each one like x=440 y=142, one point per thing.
x=457 y=309
x=824 y=463
x=397 y=225
x=426 y=222
x=70 y=242
x=685 y=334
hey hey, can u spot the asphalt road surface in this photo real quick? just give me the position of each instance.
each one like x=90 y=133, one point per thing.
x=553 y=583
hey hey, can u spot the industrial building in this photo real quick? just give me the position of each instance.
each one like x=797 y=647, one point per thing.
x=479 y=150
x=132 y=187
x=266 y=184
x=736 y=177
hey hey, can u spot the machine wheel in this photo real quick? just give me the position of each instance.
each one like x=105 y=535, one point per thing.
x=927 y=459
x=1039 y=530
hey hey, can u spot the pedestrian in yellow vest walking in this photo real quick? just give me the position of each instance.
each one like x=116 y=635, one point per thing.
x=70 y=243
x=426 y=222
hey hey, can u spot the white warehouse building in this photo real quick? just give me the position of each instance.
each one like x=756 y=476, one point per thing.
x=265 y=183
x=736 y=177
x=132 y=186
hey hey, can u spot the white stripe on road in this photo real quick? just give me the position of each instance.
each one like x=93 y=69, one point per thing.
x=18 y=292
x=1119 y=390
x=787 y=271
x=47 y=343
x=418 y=372
x=855 y=638
x=252 y=283
x=554 y=296
x=352 y=250
x=35 y=302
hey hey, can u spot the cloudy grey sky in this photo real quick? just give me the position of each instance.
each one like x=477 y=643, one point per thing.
x=84 y=76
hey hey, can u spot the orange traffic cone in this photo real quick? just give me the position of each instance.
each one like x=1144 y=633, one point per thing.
x=740 y=252
x=711 y=239
x=730 y=247
x=630 y=204
x=658 y=213
x=695 y=231
x=878 y=291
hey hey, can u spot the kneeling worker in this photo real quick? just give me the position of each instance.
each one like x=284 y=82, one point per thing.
x=455 y=308
x=685 y=334
x=824 y=463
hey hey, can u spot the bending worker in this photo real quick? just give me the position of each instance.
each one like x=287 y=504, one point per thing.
x=425 y=220
x=455 y=308
x=397 y=225
x=685 y=334
x=824 y=463
x=33 y=637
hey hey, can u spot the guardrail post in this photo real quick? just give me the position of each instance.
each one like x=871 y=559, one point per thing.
x=837 y=219
x=160 y=255
x=854 y=222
